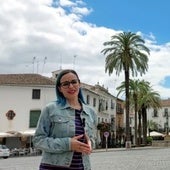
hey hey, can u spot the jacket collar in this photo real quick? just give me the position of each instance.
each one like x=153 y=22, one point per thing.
x=84 y=107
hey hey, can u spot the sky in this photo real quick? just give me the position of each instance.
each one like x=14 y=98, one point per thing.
x=47 y=35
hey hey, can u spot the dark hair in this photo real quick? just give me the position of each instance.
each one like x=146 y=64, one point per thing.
x=60 y=98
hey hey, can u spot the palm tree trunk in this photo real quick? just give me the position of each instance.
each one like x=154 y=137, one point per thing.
x=139 y=128
x=136 y=133
x=127 y=108
x=144 y=119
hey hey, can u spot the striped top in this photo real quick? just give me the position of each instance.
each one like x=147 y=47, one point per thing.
x=77 y=162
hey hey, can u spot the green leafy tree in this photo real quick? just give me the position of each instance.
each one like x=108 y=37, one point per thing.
x=126 y=52
x=152 y=126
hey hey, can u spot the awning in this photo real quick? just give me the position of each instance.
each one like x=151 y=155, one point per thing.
x=14 y=133
x=154 y=134
x=5 y=134
x=29 y=132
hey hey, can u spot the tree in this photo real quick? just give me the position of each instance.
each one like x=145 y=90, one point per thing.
x=152 y=126
x=148 y=99
x=135 y=87
x=126 y=52
x=142 y=96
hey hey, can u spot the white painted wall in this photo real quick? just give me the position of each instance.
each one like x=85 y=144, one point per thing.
x=161 y=119
x=19 y=99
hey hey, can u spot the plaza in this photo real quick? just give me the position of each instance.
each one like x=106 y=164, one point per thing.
x=133 y=159
x=142 y=158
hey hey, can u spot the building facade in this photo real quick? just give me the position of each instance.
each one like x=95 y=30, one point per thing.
x=161 y=116
x=23 y=96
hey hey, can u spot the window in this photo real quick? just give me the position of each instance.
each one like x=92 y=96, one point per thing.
x=34 y=116
x=155 y=113
x=101 y=105
x=36 y=94
x=106 y=105
x=88 y=99
x=94 y=102
x=165 y=112
x=119 y=108
x=112 y=104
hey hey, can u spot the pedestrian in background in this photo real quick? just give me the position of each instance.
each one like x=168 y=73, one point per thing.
x=66 y=130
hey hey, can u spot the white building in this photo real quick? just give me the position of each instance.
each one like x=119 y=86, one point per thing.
x=161 y=116
x=22 y=97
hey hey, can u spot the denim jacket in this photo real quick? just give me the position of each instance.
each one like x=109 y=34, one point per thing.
x=56 y=127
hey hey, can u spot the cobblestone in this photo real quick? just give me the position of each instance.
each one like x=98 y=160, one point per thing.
x=112 y=159
x=133 y=159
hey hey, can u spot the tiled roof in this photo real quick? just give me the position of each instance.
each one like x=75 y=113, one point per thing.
x=96 y=89
x=25 y=79
x=165 y=103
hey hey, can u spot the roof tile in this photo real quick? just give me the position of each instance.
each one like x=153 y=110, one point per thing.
x=25 y=79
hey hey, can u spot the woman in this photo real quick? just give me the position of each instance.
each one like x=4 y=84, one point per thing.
x=66 y=128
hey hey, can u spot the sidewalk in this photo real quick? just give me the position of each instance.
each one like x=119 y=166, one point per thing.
x=125 y=149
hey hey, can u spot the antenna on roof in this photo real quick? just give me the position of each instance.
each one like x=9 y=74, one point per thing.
x=45 y=58
x=37 y=65
x=33 y=62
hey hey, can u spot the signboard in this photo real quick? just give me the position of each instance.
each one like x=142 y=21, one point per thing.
x=106 y=134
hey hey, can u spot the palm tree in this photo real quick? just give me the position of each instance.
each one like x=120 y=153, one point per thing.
x=135 y=88
x=152 y=126
x=142 y=96
x=126 y=52
x=148 y=99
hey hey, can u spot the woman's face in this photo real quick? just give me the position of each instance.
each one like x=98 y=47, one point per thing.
x=69 y=86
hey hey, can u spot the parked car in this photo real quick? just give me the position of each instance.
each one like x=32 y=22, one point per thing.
x=4 y=151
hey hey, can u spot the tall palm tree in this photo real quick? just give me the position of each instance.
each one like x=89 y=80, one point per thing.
x=142 y=97
x=136 y=87
x=126 y=52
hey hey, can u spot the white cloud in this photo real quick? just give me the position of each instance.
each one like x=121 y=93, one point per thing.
x=35 y=29
x=66 y=3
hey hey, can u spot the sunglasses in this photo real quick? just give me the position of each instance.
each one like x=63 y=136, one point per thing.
x=66 y=84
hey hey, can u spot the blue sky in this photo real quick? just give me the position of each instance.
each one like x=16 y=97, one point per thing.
x=147 y=16
x=46 y=35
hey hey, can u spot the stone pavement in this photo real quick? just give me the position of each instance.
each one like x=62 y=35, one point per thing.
x=142 y=158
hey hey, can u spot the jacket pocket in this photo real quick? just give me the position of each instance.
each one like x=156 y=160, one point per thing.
x=60 y=126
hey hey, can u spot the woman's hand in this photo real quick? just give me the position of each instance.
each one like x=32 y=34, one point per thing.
x=78 y=146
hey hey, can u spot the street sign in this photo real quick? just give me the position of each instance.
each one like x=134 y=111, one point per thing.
x=106 y=134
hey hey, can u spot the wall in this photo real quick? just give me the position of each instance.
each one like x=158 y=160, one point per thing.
x=19 y=99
